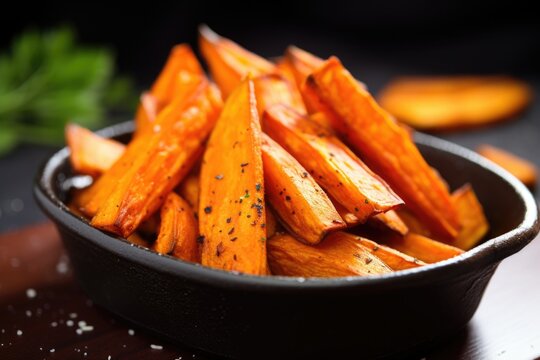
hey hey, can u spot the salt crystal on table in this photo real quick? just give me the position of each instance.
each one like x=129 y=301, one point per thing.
x=19 y=332
x=52 y=350
x=87 y=328
x=156 y=347
x=54 y=324
x=31 y=293
x=109 y=357
x=131 y=332
x=82 y=323
x=28 y=313
x=73 y=315
x=69 y=323
x=78 y=331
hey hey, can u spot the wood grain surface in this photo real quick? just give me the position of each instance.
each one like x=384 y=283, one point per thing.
x=45 y=315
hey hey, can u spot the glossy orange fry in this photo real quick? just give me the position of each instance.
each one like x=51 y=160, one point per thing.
x=165 y=161
x=389 y=220
x=146 y=113
x=421 y=247
x=180 y=64
x=231 y=201
x=383 y=145
x=189 y=190
x=274 y=89
x=301 y=204
x=412 y=222
x=341 y=173
x=449 y=102
x=90 y=153
x=271 y=223
x=333 y=257
x=522 y=169
x=349 y=218
x=137 y=239
x=178 y=230
x=302 y=63
x=181 y=61
x=229 y=63
x=90 y=199
x=394 y=259
x=474 y=225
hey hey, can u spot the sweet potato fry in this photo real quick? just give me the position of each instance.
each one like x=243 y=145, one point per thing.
x=90 y=153
x=474 y=224
x=163 y=163
x=522 y=169
x=341 y=173
x=189 y=190
x=181 y=61
x=391 y=257
x=178 y=230
x=228 y=62
x=271 y=223
x=412 y=222
x=389 y=220
x=349 y=218
x=146 y=113
x=90 y=199
x=137 y=239
x=420 y=247
x=440 y=103
x=383 y=145
x=302 y=63
x=301 y=204
x=275 y=89
x=333 y=257
x=231 y=200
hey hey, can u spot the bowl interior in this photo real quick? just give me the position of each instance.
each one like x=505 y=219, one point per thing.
x=510 y=208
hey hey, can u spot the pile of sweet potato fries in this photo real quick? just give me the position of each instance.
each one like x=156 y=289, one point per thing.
x=287 y=168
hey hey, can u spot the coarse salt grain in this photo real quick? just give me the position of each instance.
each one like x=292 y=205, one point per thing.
x=19 y=332
x=69 y=323
x=73 y=315
x=52 y=350
x=31 y=293
x=79 y=331
x=87 y=328
x=131 y=332
x=28 y=313
x=156 y=347
x=54 y=324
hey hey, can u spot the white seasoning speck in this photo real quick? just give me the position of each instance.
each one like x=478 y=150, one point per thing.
x=52 y=350
x=156 y=347
x=54 y=324
x=19 y=332
x=109 y=357
x=73 y=315
x=31 y=293
x=131 y=332
x=79 y=331
x=62 y=267
x=85 y=354
x=28 y=313
x=69 y=323
x=87 y=328
x=81 y=323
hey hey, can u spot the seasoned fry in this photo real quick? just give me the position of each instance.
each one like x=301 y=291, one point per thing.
x=228 y=62
x=275 y=89
x=146 y=113
x=474 y=224
x=90 y=153
x=391 y=257
x=299 y=201
x=333 y=257
x=384 y=145
x=271 y=223
x=138 y=240
x=181 y=63
x=420 y=247
x=232 y=210
x=166 y=159
x=189 y=190
x=439 y=103
x=349 y=218
x=178 y=230
x=524 y=170
x=330 y=162
x=389 y=220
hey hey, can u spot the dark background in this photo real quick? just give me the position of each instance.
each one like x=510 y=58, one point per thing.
x=376 y=40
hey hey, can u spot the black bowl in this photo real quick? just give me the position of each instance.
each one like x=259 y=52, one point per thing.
x=278 y=317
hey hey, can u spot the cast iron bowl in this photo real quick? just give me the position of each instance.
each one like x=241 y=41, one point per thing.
x=278 y=317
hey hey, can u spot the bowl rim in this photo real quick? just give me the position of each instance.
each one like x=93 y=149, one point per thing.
x=490 y=252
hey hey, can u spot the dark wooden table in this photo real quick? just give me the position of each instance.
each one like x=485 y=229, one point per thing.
x=45 y=315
